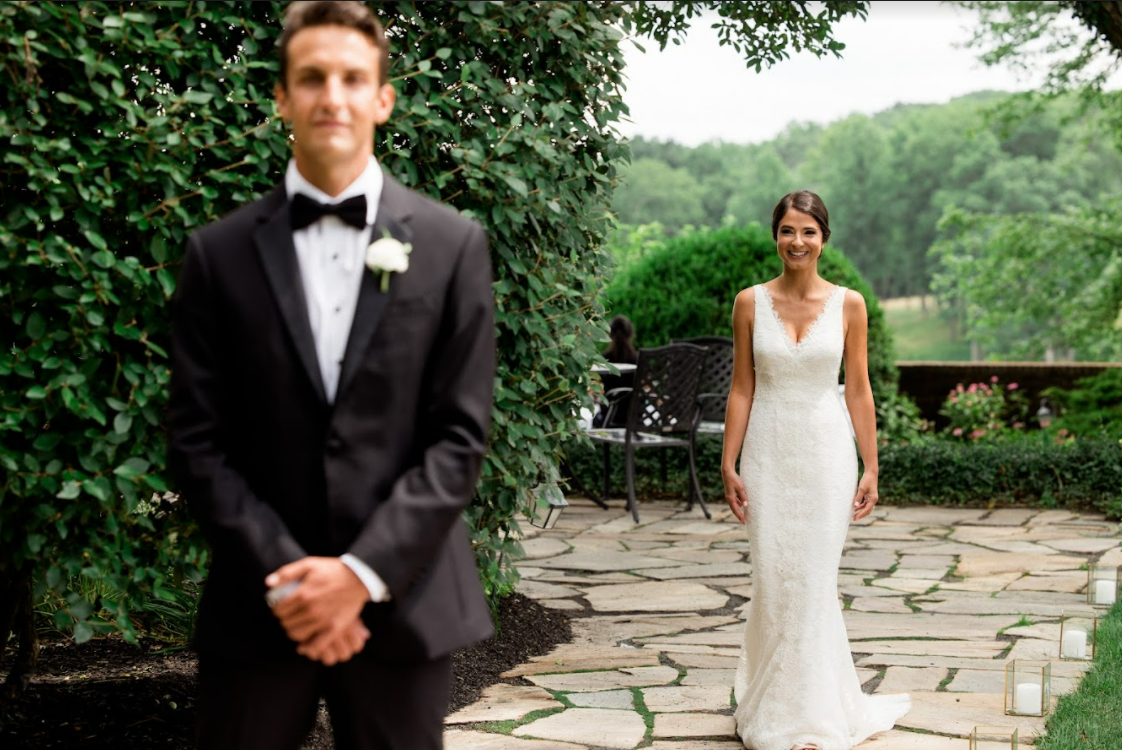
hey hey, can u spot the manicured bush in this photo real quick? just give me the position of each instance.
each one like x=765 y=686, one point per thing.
x=1079 y=474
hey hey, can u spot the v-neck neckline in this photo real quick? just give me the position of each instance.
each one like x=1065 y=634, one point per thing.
x=796 y=345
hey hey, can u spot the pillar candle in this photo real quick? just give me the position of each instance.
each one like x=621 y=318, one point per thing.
x=1074 y=645
x=1028 y=698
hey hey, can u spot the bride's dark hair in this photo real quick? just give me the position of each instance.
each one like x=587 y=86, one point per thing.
x=807 y=203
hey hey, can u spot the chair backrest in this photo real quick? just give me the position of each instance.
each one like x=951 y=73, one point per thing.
x=664 y=398
x=716 y=375
x=617 y=416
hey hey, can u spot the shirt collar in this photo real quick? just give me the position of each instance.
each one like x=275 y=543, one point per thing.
x=369 y=183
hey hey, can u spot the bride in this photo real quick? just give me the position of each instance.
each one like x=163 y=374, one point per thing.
x=797 y=489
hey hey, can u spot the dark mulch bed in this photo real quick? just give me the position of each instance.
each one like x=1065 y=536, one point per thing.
x=110 y=694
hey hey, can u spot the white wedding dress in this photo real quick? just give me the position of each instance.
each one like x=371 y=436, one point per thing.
x=796 y=684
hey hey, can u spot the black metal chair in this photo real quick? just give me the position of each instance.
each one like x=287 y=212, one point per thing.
x=662 y=413
x=716 y=380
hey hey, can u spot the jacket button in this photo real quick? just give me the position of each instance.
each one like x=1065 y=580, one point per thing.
x=334 y=445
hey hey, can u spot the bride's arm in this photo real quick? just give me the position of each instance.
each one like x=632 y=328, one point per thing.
x=740 y=401
x=859 y=401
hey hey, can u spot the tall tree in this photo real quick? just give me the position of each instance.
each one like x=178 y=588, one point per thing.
x=759 y=182
x=652 y=188
x=849 y=168
x=1035 y=36
x=1037 y=285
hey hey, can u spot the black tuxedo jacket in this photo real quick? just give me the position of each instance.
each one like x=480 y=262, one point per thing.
x=273 y=472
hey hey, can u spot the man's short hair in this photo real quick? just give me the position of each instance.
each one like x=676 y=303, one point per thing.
x=352 y=15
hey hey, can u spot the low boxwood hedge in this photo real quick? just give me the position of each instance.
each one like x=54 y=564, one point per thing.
x=1078 y=475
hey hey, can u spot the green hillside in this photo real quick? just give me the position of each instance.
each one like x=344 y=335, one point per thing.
x=922 y=335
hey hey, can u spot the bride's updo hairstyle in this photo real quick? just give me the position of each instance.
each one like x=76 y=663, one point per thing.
x=807 y=203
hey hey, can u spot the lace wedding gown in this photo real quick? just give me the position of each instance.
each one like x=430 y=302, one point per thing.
x=796 y=684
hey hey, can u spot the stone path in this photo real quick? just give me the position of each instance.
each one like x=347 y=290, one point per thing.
x=936 y=600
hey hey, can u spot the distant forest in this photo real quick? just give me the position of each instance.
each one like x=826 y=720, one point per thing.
x=887 y=179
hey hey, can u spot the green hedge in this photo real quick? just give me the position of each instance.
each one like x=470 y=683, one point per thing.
x=127 y=125
x=1080 y=475
x=686 y=288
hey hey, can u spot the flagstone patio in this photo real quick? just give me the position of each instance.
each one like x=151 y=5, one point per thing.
x=936 y=601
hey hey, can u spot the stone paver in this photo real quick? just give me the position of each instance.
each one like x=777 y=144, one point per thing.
x=624 y=699
x=887 y=605
x=711 y=677
x=697 y=745
x=993 y=681
x=567 y=604
x=688 y=698
x=584 y=682
x=464 y=740
x=589 y=726
x=957 y=713
x=897 y=740
x=694 y=725
x=545 y=590
x=656 y=596
x=572 y=657
x=503 y=702
x=908 y=679
x=653 y=616
x=544 y=547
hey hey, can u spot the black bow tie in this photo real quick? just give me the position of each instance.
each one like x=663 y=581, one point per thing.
x=307 y=210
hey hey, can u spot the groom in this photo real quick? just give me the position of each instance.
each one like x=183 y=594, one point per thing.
x=329 y=413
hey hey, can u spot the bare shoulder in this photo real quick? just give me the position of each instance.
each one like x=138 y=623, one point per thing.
x=744 y=308
x=745 y=296
x=854 y=305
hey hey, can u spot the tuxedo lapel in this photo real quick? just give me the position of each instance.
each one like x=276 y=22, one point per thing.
x=394 y=214
x=278 y=256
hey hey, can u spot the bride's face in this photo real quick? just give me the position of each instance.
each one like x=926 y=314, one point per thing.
x=799 y=241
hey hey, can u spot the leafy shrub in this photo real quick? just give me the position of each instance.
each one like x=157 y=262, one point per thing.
x=1070 y=474
x=686 y=288
x=1081 y=474
x=129 y=124
x=1092 y=407
x=899 y=419
x=984 y=411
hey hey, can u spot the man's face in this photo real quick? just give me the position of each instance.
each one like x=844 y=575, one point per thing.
x=333 y=99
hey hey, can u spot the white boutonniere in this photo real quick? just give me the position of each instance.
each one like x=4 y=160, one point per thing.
x=388 y=256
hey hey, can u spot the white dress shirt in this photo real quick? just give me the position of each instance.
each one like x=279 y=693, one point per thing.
x=332 y=259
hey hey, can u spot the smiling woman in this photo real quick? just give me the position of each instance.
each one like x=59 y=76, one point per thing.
x=797 y=488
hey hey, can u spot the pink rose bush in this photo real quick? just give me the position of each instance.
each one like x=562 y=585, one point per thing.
x=984 y=411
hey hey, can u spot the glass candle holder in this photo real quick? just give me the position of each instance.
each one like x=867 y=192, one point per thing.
x=993 y=738
x=1028 y=689
x=1078 y=634
x=1104 y=584
x=549 y=501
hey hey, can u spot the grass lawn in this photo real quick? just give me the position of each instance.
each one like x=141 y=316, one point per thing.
x=1091 y=717
x=922 y=336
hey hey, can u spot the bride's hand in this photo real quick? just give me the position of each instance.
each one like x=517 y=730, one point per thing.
x=735 y=495
x=866 y=497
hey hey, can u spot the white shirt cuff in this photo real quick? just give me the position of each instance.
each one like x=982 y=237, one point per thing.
x=379 y=592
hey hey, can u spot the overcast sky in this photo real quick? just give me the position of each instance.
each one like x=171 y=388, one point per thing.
x=904 y=52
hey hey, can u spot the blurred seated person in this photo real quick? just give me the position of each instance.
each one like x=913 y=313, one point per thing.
x=621 y=350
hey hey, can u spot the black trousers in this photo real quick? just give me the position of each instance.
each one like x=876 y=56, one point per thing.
x=271 y=705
